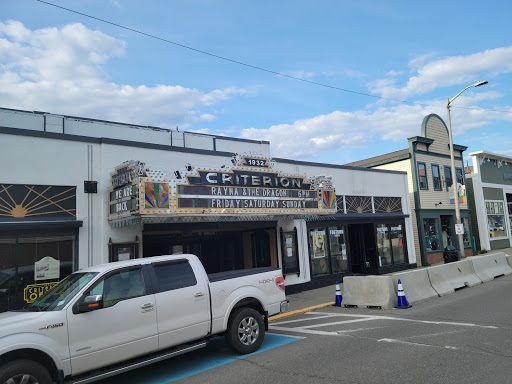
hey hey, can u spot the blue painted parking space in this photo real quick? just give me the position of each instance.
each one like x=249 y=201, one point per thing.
x=216 y=354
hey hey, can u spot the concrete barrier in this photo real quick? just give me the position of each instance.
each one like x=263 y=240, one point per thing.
x=447 y=278
x=416 y=284
x=509 y=260
x=491 y=266
x=369 y=291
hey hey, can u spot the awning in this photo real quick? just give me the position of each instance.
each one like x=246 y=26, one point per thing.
x=39 y=224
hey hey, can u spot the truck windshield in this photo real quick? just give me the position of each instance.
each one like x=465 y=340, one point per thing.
x=59 y=295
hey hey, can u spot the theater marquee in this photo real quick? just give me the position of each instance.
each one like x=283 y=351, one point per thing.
x=250 y=185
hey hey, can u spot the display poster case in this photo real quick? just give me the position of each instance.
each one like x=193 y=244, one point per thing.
x=290 y=252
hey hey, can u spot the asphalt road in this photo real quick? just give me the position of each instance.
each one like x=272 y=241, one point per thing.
x=465 y=337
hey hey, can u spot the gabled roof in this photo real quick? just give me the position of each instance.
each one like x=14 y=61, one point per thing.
x=382 y=159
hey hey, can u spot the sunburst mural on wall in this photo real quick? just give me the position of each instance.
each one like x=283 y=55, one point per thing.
x=387 y=204
x=359 y=204
x=19 y=201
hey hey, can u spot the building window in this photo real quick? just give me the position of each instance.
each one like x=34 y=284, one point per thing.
x=328 y=251
x=465 y=236
x=397 y=243
x=383 y=245
x=431 y=228
x=390 y=244
x=460 y=176
x=436 y=177
x=338 y=250
x=31 y=264
x=318 y=252
x=448 y=176
x=446 y=231
x=422 y=173
x=495 y=219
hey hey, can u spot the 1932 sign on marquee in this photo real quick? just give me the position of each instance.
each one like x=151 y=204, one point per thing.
x=249 y=186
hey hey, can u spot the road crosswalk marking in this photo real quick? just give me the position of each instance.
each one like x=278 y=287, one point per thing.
x=353 y=318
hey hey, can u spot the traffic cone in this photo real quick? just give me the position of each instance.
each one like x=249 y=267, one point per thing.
x=337 y=302
x=402 y=301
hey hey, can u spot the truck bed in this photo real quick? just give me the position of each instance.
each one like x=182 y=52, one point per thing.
x=214 y=277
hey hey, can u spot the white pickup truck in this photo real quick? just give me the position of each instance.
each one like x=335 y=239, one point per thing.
x=111 y=318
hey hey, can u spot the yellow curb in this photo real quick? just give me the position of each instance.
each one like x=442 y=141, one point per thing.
x=298 y=312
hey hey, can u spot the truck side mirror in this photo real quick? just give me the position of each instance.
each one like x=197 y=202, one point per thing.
x=90 y=303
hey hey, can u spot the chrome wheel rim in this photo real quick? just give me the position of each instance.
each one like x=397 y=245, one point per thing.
x=248 y=330
x=24 y=378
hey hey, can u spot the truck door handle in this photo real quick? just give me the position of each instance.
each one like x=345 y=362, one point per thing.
x=147 y=306
x=199 y=294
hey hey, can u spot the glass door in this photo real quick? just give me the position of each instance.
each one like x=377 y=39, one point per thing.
x=338 y=250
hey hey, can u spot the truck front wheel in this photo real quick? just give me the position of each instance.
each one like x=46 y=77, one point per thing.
x=24 y=371
x=246 y=330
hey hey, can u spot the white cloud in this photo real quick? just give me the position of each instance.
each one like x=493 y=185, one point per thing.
x=60 y=70
x=444 y=72
x=302 y=74
x=337 y=131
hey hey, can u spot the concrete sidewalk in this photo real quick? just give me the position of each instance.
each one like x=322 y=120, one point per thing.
x=307 y=301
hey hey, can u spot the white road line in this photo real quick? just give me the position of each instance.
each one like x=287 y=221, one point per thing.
x=397 y=341
x=338 y=314
x=302 y=330
x=301 y=320
x=340 y=322
x=278 y=334
x=418 y=321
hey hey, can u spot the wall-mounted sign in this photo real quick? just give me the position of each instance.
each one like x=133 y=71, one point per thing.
x=255 y=162
x=47 y=268
x=124 y=191
x=123 y=199
x=242 y=188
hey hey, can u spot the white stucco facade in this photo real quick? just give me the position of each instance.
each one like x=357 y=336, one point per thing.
x=53 y=150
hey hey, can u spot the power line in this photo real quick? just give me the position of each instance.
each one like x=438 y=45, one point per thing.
x=253 y=66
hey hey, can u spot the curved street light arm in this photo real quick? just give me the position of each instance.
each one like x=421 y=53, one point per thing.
x=477 y=84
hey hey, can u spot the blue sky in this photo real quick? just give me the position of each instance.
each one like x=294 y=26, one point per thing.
x=399 y=61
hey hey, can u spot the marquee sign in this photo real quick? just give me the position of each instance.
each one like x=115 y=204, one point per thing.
x=123 y=192
x=250 y=185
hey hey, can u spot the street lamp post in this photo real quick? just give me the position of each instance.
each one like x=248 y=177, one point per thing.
x=454 y=172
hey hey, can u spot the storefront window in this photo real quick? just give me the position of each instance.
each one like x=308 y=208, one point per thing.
x=338 y=250
x=431 y=229
x=29 y=266
x=390 y=244
x=510 y=216
x=446 y=230
x=318 y=252
x=383 y=245
x=397 y=244
x=465 y=236
x=495 y=218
